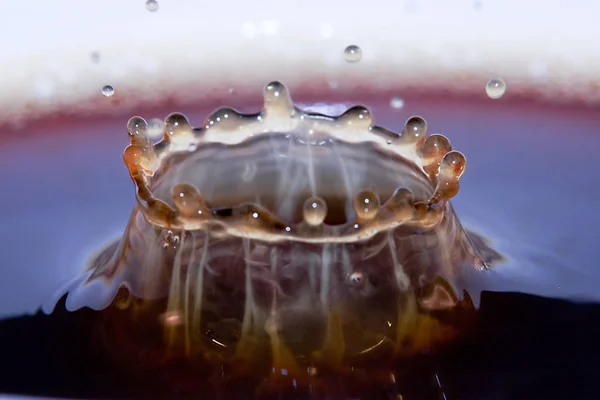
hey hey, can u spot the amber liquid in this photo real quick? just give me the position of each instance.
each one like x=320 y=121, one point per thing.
x=519 y=347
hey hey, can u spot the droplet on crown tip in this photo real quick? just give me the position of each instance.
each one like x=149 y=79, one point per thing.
x=452 y=166
x=177 y=126
x=415 y=130
x=277 y=99
x=434 y=149
x=137 y=128
x=357 y=117
x=433 y=154
x=366 y=205
x=314 y=211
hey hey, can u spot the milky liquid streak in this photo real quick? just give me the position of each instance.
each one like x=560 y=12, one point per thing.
x=66 y=192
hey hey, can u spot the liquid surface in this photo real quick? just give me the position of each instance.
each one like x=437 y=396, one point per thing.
x=518 y=350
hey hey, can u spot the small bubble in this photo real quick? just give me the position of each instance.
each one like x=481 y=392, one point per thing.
x=152 y=5
x=95 y=57
x=170 y=240
x=434 y=149
x=108 y=91
x=356 y=278
x=397 y=102
x=495 y=88
x=353 y=53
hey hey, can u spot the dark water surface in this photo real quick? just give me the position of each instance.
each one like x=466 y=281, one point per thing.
x=522 y=347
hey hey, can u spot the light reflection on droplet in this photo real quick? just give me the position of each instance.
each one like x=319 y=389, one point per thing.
x=108 y=90
x=495 y=88
x=353 y=53
x=152 y=5
x=397 y=102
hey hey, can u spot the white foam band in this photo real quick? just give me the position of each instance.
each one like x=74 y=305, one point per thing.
x=191 y=49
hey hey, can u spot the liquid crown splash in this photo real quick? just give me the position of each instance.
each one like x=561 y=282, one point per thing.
x=312 y=134
x=317 y=240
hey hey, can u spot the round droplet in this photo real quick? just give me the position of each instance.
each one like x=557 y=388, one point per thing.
x=495 y=88
x=95 y=57
x=152 y=5
x=108 y=91
x=314 y=211
x=452 y=166
x=136 y=126
x=176 y=124
x=366 y=205
x=353 y=53
x=356 y=278
x=187 y=200
x=135 y=157
x=434 y=149
x=156 y=129
x=357 y=117
x=415 y=128
x=397 y=102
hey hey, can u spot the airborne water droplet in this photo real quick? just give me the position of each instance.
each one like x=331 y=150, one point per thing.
x=353 y=53
x=95 y=56
x=152 y=5
x=397 y=102
x=156 y=129
x=495 y=88
x=108 y=90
